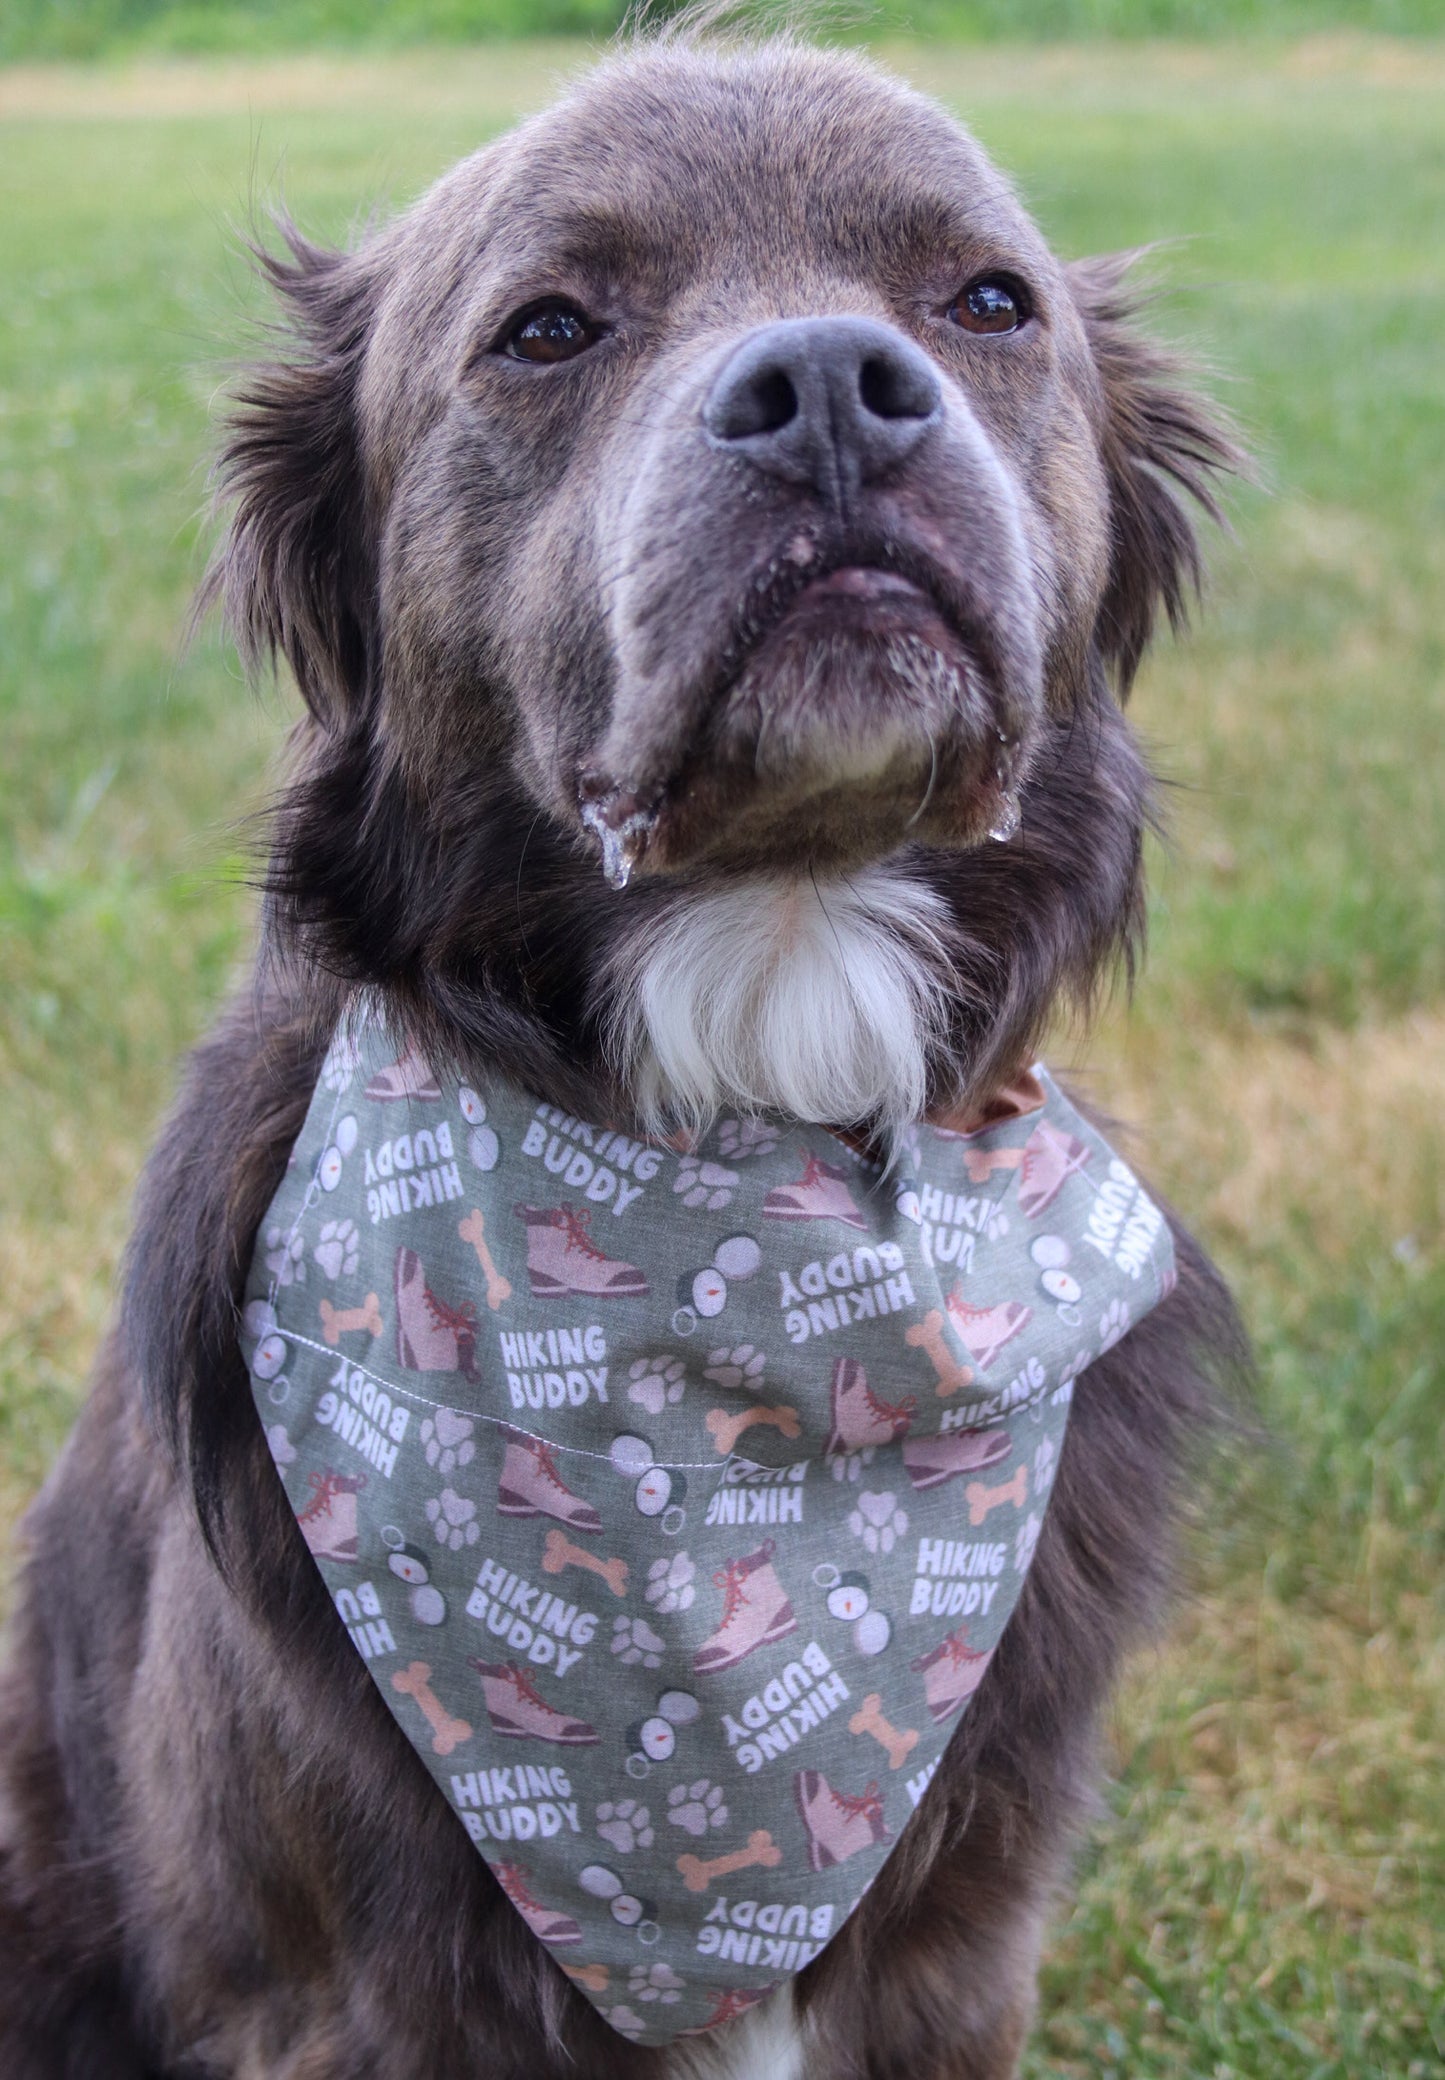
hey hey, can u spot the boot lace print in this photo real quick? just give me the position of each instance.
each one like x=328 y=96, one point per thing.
x=527 y=1687
x=546 y=1464
x=576 y=1226
x=457 y=1319
x=323 y=1487
x=866 y=1804
x=732 y=1576
x=890 y=1411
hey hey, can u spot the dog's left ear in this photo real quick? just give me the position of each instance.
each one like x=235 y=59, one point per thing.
x=1158 y=438
x=294 y=571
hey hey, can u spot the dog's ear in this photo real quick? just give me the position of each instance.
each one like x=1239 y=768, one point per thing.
x=294 y=570
x=1158 y=438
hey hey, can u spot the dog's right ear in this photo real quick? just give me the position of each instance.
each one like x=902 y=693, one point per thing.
x=294 y=571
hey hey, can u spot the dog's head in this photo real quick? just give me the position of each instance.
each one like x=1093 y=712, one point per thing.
x=711 y=503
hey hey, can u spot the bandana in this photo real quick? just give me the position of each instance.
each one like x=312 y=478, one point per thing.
x=676 y=1498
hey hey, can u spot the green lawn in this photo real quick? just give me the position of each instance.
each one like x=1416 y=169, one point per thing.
x=1268 y=1897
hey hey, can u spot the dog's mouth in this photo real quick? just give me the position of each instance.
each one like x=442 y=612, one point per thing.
x=854 y=694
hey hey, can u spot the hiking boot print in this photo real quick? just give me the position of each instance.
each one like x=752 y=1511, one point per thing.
x=930 y=1461
x=838 y=1824
x=545 y=1922
x=756 y=1610
x=328 y=1522
x=530 y=1485
x=951 y=1673
x=562 y=1258
x=430 y=1336
x=983 y=1331
x=517 y=1709
x=820 y=1194
x=1050 y=1156
x=409 y=1077
x=860 y=1418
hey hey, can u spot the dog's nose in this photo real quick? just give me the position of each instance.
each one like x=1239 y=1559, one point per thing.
x=829 y=402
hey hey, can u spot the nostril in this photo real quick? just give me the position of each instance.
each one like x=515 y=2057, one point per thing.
x=765 y=403
x=891 y=388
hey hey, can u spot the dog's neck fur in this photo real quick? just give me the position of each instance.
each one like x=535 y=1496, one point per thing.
x=819 y=999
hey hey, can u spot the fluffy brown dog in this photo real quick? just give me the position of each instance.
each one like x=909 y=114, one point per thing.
x=717 y=482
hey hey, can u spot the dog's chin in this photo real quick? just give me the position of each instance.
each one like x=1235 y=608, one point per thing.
x=833 y=747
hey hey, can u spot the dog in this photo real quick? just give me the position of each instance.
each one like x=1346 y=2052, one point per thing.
x=713 y=537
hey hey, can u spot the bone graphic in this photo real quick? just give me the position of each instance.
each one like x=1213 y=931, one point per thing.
x=447 y=1732
x=335 y=1321
x=900 y=1742
x=928 y=1336
x=981 y=1499
x=592 y=1976
x=474 y=1230
x=559 y=1552
x=982 y=1162
x=697 y=1875
x=725 y=1430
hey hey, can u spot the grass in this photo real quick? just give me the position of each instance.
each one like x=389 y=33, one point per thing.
x=92 y=28
x=1267 y=1898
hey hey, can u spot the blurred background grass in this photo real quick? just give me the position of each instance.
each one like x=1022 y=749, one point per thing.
x=1267 y=1899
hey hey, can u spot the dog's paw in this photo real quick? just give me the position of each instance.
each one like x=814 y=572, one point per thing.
x=704 y=1184
x=878 y=1520
x=697 y=1807
x=1113 y=1323
x=655 y=1982
x=737 y=1370
x=453 y=1518
x=737 y=1139
x=634 y=1640
x=670 y=1583
x=446 y=1439
x=626 y=1825
x=337 y=1248
x=285 y=1257
x=656 y=1383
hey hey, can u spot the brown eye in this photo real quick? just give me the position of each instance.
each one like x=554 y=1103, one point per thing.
x=551 y=332
x=993 y=304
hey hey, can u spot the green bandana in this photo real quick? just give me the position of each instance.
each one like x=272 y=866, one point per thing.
x=677 y=1499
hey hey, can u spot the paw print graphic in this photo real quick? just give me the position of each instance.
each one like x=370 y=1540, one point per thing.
x=655 y=1982
x=1026 y=1538
x=634 y=1640
x=453 y=1518
x=1112 y=1324
x=848 y=1466
x=878 y=1520
x=337 y=1248
x=625 y=1824
x=339 y=1066
x=1080 y=1362
x=285 y=1257
x=626 y=2021
x=736 y=1369
x=697 y=1807
x=282 y=1449
x=656 y=1383
x=704 y=1184
x=737 y=1139
x=1046 y=1460
x=670 y=1583
x=446 y=1439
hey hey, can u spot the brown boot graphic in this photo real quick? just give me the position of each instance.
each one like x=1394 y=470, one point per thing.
x=838 y=1824
x=530 y=1485
x=756 y=1610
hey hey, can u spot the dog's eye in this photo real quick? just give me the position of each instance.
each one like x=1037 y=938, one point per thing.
x=991 y=304
x=555 y=331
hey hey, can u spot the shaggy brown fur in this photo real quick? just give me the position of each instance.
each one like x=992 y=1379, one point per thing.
x=507 y=591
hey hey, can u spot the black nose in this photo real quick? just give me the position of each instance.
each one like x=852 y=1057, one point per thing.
x=828 y=402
